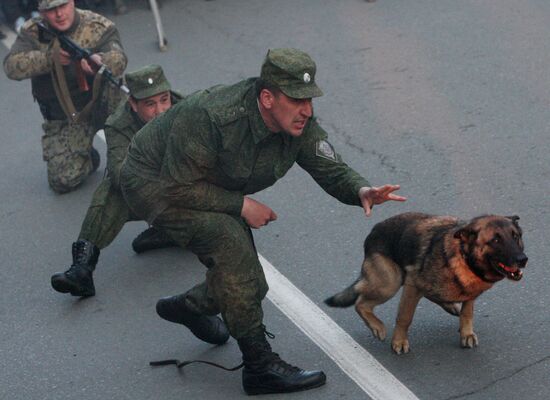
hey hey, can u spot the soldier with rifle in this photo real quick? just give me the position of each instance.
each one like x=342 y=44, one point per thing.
x=69 y=84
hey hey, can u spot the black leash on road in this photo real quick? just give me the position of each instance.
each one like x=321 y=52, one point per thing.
x=180 y=364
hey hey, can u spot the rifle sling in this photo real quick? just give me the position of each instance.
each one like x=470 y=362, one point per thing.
x=62 y=92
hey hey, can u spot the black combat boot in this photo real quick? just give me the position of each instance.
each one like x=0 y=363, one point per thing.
x=77 y=280
x=264 y=372
x=210 y=329
x=151 y=239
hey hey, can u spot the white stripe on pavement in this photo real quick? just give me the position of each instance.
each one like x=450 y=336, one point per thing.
x=101 y=134
x=349 y=355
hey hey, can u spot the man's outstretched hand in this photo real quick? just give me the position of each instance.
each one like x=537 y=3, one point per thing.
x=377 y=195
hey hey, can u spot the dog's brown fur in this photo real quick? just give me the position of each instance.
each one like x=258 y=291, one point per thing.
x=437 y=257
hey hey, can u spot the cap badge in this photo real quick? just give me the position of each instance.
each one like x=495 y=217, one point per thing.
x=307 y=78
x=150 y=80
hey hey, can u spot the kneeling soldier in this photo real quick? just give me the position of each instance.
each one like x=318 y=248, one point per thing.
x=73 y=100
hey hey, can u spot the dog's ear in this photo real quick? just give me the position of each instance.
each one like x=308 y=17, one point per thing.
x=515 y=220
x=466 y=233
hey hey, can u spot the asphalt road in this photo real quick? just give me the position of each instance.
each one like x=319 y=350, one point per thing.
x=449 y=99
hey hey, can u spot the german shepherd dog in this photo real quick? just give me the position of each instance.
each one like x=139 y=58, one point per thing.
x=438 y=257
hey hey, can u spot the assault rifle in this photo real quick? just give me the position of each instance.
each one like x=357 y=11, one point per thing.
x=78 y=53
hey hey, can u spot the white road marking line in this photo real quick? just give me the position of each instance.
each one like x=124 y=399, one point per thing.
x=10 y=36
x=101 y=134
x=350 y=356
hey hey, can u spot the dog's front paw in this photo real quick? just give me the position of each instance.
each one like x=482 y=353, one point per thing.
x=400 y=346
x=469 y=341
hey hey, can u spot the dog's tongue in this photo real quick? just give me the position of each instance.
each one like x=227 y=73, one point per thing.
x=514 y=273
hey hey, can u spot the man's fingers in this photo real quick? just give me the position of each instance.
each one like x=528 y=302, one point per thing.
x=385 y=193
x=366 y=207
x=377 y=195
x=96 y=58
x=396 y=197
x=368 y=210
x=387 y=189
x=86 y=67
x=272 y=217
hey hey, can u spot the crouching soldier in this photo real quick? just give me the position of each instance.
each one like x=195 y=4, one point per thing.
x=150 y=96
x=191 y=173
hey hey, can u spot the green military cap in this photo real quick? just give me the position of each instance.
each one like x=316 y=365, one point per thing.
x=146 y=82
x=49 y=4
x=292 y=71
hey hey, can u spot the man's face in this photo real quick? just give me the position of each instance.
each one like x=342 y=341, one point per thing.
x=287 y=114
x=151 y=107
x=60 y=18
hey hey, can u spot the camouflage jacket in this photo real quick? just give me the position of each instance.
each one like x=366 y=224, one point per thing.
x=213 y=148
x=120 y=128
x=29 y=58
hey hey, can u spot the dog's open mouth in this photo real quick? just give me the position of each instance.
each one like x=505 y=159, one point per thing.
x=513 y=273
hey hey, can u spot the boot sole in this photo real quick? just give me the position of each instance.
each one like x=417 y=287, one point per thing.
x=167 y=313
x=74 y=290
x=267 y=390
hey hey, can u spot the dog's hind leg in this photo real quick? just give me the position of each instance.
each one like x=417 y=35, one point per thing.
x=468 y=339
x=381 y=280
x=365 y=309
x=407 y=305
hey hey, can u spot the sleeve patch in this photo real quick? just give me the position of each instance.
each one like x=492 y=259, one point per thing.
x=324 y=149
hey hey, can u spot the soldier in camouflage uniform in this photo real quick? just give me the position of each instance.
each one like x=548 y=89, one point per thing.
x=150 y=96
x=67 y=141
x=190 y=173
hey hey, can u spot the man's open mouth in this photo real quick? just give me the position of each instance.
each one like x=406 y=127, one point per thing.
x=512 y=273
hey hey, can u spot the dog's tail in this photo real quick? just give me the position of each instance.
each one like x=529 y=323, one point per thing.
x=345 y=298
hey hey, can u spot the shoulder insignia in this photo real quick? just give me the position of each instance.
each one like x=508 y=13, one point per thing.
x=325 y=150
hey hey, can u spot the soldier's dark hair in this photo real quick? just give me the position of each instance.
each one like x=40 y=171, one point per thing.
x=262 y=84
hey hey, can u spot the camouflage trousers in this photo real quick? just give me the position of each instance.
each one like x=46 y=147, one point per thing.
x=235 y=283
x=106 y=216
x=66 y=149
